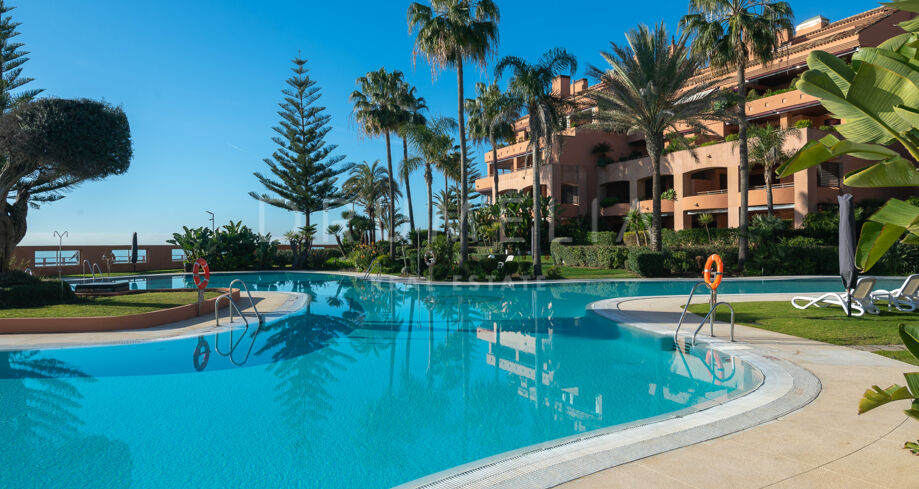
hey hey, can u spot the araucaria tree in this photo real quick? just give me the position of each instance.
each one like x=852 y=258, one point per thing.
x=646 y=90
x=49 y=145
x=531 y=86
x=731 y=34
x=304 y=170
x=451 y=33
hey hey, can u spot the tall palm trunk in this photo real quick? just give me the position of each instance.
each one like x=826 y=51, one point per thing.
x=392 y=200
x=654 y=144
x=373 y=224
x=408 y=189
x=537 y=217
x=744 y=165
x=767 y=174
x=494 y=159
x=428 y=180
x=447 y=207
x=464 y=221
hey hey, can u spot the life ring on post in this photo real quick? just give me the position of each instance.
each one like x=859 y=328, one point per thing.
x=717 y=271
x=429 y=258
x=201 y=265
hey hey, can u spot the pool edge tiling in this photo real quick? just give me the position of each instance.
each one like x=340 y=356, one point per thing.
x=785 y=388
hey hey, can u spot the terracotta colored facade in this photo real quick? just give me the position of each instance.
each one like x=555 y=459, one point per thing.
x=707 y=182
x=157 y=257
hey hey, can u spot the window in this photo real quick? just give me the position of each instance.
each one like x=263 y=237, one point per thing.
x=178 y=254
x=124 y=256
x=569 y=194
x=828 y=174
x=49 y=258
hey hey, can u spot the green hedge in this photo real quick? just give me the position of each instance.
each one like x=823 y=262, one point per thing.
x=647 y=263
x=19 y=289
x=607 y=238
x=595 y=256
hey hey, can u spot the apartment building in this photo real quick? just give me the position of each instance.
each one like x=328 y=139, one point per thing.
x=707 y=181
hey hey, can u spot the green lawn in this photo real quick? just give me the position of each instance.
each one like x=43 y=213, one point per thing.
x=125 y=274
x=120 y=305
x=829 y=324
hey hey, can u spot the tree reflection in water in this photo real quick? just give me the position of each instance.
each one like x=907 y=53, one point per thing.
x=40 y=428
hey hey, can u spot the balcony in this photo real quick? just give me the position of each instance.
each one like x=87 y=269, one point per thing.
x=619 y=209
x=716 y=199
x=646 y=206
x=782 y=193
x=509 y=151
x=779 y=102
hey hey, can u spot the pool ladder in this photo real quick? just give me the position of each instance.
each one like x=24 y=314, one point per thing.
x=92 y=270
x=375 y=264
x=710 y=317
x=234 y=344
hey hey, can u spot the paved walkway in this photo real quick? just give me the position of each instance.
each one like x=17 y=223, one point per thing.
x=825 y=444
x=269 y=304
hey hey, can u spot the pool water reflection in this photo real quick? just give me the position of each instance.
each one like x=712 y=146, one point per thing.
x=372 y=385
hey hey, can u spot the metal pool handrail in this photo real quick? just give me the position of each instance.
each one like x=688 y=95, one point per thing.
x=101 y=275
x=374 y=264
x=683 y=315
x=710 y=315
x=251 y=301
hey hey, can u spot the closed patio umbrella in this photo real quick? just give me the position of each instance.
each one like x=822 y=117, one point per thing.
x=847 y=269
x=134 y=251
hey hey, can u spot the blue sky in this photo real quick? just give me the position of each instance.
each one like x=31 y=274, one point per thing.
x=200 y=81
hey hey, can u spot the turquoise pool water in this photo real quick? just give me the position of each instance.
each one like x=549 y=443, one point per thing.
x=372 y=385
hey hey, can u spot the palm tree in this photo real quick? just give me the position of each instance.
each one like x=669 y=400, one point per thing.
x=451 y=32
x=412 y=105
x=706 y=219
x=767 y=149
x=531 y=85
x=445 y=201
x=433 y=141
x=409 y=165
x=731 y=34
x=491 y=116
x=376 y=107
x=646 y=90
x=366 y=184
x=335 y=230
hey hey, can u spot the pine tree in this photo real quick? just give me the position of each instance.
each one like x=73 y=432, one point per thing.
x=304 y=169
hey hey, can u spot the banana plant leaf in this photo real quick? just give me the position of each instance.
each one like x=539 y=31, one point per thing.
x=883 y=229
x=910 y=336
x=829 y=147
x=895 y=172
x=876 y=397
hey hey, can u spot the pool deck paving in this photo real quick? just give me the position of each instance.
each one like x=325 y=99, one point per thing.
x=270 y=304
x=824 y=444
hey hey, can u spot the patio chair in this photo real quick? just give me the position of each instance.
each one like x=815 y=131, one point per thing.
x=862 y=301
x=905 y=298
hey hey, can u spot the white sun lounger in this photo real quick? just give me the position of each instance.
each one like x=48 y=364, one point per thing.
x=862 y=301
x=906 y=298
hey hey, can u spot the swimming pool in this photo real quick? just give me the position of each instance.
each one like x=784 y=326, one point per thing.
x=372 y=385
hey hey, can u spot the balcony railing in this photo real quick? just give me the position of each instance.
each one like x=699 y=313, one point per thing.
x=712 y=192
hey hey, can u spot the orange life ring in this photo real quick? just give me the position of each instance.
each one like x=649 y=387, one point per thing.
x=709 y=271
x=201 y=264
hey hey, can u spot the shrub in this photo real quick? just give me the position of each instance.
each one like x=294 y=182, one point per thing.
x=554 y=273
x=647 y=263
x=608 y=201
x=602 y=237
x=732 y=137
x=593 y=256
x=803 y=123
x=669 y=194
x=488 y=265
x=801 y=242
x=524 y=268
x=33 y=293
x=510 y=268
